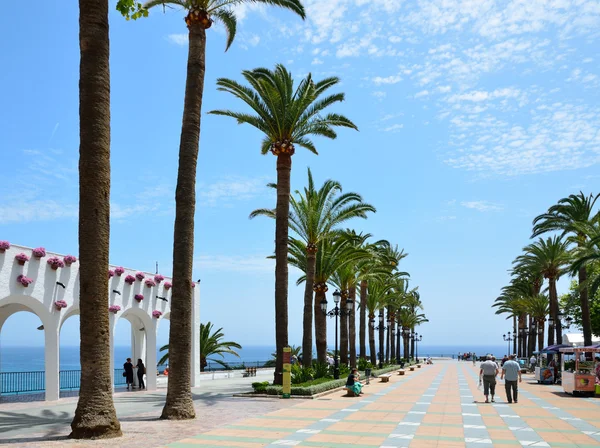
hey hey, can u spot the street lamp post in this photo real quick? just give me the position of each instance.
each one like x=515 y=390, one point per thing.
x=398 y=333
x=405 y=336
x=508 y=338
x=336 y=312
x=381 y=328
x=417 y=338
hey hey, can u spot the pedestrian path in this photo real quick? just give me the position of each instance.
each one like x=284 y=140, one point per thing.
x=437 y=405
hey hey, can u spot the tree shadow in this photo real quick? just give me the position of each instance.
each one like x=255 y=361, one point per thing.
x=51 y=424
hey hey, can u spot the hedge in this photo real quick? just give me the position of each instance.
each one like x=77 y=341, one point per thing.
x=323 y=387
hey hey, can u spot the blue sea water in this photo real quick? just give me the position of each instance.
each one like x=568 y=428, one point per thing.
x=28 y=359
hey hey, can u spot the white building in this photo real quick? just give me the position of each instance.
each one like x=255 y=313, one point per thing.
x=49 y=286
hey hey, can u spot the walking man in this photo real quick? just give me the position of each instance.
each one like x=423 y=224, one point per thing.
x=489 y=371
x=512 y=371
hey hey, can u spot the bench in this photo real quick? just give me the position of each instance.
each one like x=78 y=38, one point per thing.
x=412 y=368
x=418 y=366
x=401 y=372
x=385 y=378
x=350 y=393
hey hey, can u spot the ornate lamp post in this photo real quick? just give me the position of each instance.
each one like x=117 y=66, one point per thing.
x=336 y=312
x=417 y=338
x=508 y=338
x=381 y=328
x=406 y=335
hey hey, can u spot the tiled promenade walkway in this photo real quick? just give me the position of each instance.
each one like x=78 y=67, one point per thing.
x=437 y=405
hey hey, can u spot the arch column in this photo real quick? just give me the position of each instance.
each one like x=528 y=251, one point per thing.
x=138 y=344
x=112 y=324
x=52 y=358
x=151 y=355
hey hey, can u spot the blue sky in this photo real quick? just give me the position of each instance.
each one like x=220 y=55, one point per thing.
x=474 y=117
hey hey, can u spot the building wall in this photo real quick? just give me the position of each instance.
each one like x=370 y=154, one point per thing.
x=40 y=298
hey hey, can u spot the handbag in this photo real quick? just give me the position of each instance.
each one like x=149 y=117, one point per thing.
x=124 y=373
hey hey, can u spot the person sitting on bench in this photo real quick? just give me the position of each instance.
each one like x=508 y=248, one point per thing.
x=352 y=383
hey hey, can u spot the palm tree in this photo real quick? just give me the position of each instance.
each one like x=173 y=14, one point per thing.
x=589 y=255
x=199 y=18
x=568 y=216
x=95 y=415
x=288 y=118
x=210 y=344
x=538 y=307
x=550 y=258
x=313 y=216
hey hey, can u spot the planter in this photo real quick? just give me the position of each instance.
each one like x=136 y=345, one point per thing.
x=111 y=273
x=4 y=245
x=56 y=263
x=120 y=270
x=130 y=279
x=158 y=278
x=114 y=309
x=69 y=260
x=139 y=297
x=21 y=259
x=156 y=314
x=39 y=252
x=168 y=285
x=150 y=283
x=24 y=281
x=60 y=304
x=140 y=276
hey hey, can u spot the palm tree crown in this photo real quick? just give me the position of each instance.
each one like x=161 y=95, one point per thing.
x=286 y=116
x=202 y=12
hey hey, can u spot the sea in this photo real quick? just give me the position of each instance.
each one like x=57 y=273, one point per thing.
x=29 y=359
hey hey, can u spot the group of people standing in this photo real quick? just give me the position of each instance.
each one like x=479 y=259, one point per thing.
x=510 y=372
x=128 y=374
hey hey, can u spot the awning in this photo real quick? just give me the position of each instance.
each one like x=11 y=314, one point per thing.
x=555 y=348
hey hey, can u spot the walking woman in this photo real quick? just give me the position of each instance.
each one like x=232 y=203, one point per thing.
x=141 y=370
x=128 y=374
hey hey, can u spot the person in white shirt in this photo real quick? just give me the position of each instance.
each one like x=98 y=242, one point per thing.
x=489 y=371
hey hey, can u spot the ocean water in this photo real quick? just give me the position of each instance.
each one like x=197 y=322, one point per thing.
x=28 y=359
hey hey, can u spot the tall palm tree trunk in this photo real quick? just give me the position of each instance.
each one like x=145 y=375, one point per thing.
x=586 y=319
x=95 y=416
x=531 y=339
x=179 y=404
x=515 y=333
x=320 y=327
x=541 y=335
x=362 y=333
x=307 y=340
x=406 y=349
x=412 y=346
x=282 y=214
x=554 y=300
x=381 y=336
x=352 y=328
x=343 y=329
x=392 y=335
x=372 y=350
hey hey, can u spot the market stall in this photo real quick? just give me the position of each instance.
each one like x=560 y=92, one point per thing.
x=578 y=375
x=545 y=373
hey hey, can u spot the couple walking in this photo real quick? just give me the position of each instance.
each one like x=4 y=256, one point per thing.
x=511 y=370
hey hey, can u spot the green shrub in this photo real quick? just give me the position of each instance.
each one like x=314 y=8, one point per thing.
x=363 y=364
x=321 y=370
x=344 y=370
x=260 y=386
x=301 y=374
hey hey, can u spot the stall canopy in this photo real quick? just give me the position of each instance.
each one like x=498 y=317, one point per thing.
x=553 y=349
x=577 y=339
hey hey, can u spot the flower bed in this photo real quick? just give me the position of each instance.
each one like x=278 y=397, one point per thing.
x=56 y=263
x=25 y=281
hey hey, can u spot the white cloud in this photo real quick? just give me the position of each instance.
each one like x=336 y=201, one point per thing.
x=229 y=189
x=38 y=210
x=422 y=93
x=393 y=128
x=235 y=263
x=316 y=61
x=481 y=206
x=394 y=79
x=379 y=94
x=178 y=39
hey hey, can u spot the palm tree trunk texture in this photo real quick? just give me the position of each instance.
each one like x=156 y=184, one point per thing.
x=406 y=349
x=381 y=336
x=541 y=335
x=95 y=416
x=554 y=308
x=362 y=330
x=282 y=214
x=586 y=319
x=531 y=339
x=352 y=328
x=307 y=340
x=372 y=350
x=179 y=404
x=343 y=331
x=412 y=346
x=392 y=336
x=515 y=333
x=320 y=328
